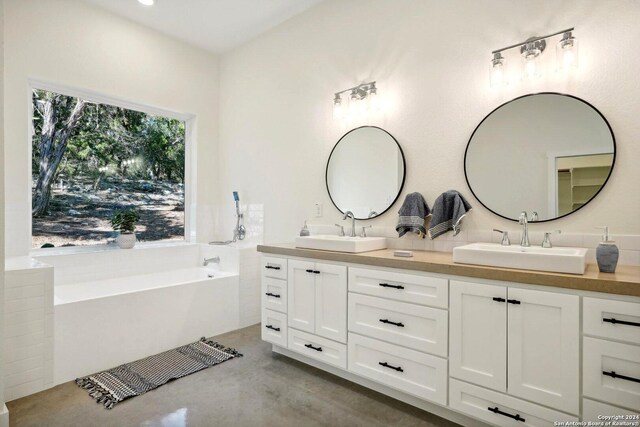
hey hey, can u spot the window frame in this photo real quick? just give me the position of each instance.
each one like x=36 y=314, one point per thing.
x=190 y=192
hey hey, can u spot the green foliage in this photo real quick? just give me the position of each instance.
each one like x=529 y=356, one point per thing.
x=115 y=141
x=125 y=220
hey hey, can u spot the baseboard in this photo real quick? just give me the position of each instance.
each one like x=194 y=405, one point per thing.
x=4 y=415
x=441 y=411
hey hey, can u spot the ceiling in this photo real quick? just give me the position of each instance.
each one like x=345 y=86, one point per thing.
x=214 y=25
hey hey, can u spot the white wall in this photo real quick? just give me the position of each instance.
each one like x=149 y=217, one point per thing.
x=75 y=44
x=431 y=61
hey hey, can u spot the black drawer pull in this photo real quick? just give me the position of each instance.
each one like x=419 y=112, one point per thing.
x=269 y=294
x=615 y=321
x=272 y=327
x=272 y=267
x=316 y=271
x=499 y=299
x=613 y=374
x=313 y=348
x=516 y=417
x=386 y=285
x=309 y=271
x=398 y=324
x=395 y=368
x=513 y=301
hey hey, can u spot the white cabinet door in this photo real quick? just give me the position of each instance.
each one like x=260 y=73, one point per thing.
x=478 y=334
x=301 y=295
x=331 y=301
x=544 y=348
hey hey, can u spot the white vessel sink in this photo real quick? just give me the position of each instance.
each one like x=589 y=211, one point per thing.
x=558 y=260
x=341 y=243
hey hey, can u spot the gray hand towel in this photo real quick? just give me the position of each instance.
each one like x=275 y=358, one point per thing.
x=448 y=210
x=412 y=214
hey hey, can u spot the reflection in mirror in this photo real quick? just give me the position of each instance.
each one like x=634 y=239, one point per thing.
x=365 y=172
x=547 y=153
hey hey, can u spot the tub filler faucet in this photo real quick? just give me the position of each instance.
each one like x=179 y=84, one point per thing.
x=215 y=259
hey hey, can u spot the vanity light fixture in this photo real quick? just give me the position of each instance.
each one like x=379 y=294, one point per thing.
x=146 y=2
x=361 y=98
x=531 y=51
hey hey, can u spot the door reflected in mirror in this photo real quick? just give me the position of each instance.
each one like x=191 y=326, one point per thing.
x=547 y=153
x=365 y=172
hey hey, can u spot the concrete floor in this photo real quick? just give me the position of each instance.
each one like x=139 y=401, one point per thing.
x=259 y=389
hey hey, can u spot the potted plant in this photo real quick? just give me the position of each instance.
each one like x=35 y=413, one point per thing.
x=124 y=221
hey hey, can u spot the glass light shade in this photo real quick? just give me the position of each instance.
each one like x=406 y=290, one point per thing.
x=531 y=65
x=356 y=106
x=338 y=111
x=567 y=53
x=497 y=71
x=373 y=101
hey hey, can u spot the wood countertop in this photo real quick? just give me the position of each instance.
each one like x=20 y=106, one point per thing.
x=625 y=281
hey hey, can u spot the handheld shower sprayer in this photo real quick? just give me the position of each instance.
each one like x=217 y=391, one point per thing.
x=239 y=232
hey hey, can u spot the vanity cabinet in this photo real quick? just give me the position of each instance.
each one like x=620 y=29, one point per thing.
x=502 y=353
x=317 y=298
x=537 y=332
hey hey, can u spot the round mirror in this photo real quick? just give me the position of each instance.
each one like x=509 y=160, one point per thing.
x=547 y=153
x=365 y=172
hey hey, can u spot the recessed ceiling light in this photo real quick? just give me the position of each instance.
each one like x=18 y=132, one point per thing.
x=146 y=2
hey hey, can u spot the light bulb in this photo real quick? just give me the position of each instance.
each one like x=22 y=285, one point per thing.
x=497 y=76
x=146 y=2
x=567 y=52
x=373 y=102
x=338 y=110
x=530 y=68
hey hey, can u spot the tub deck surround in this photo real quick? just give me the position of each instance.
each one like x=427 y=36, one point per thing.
x=625 y=281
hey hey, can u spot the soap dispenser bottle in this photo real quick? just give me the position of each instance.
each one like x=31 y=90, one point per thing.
x=305 y=230
x=607 y=253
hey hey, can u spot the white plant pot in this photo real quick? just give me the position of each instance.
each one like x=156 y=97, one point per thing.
x=126 y=240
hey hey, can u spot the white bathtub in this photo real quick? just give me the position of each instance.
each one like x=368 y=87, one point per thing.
x=116 y=307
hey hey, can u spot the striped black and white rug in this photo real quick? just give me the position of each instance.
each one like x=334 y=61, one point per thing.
x=133 y=379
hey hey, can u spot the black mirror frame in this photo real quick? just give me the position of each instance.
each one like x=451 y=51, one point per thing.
x=404 y=172
x=613 y=140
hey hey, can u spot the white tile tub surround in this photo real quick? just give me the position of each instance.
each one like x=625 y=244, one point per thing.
x=28 y=332
x=628 y=244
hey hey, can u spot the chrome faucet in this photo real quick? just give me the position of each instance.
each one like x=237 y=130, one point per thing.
x=341 y=232
x=524 y=222
x=349 y=214
x=215 y=259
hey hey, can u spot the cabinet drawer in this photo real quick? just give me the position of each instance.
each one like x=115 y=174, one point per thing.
x=500 y=409
x=274 y=267
x=619 y=320
x=318 y=348
x=274 y=294
x=412 y=288
x=409 y=325
x=595 y=411
x=274 y=327
x=611 y=372
x=413 y=372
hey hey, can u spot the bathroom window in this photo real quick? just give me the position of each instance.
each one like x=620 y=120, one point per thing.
x=91 y=159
